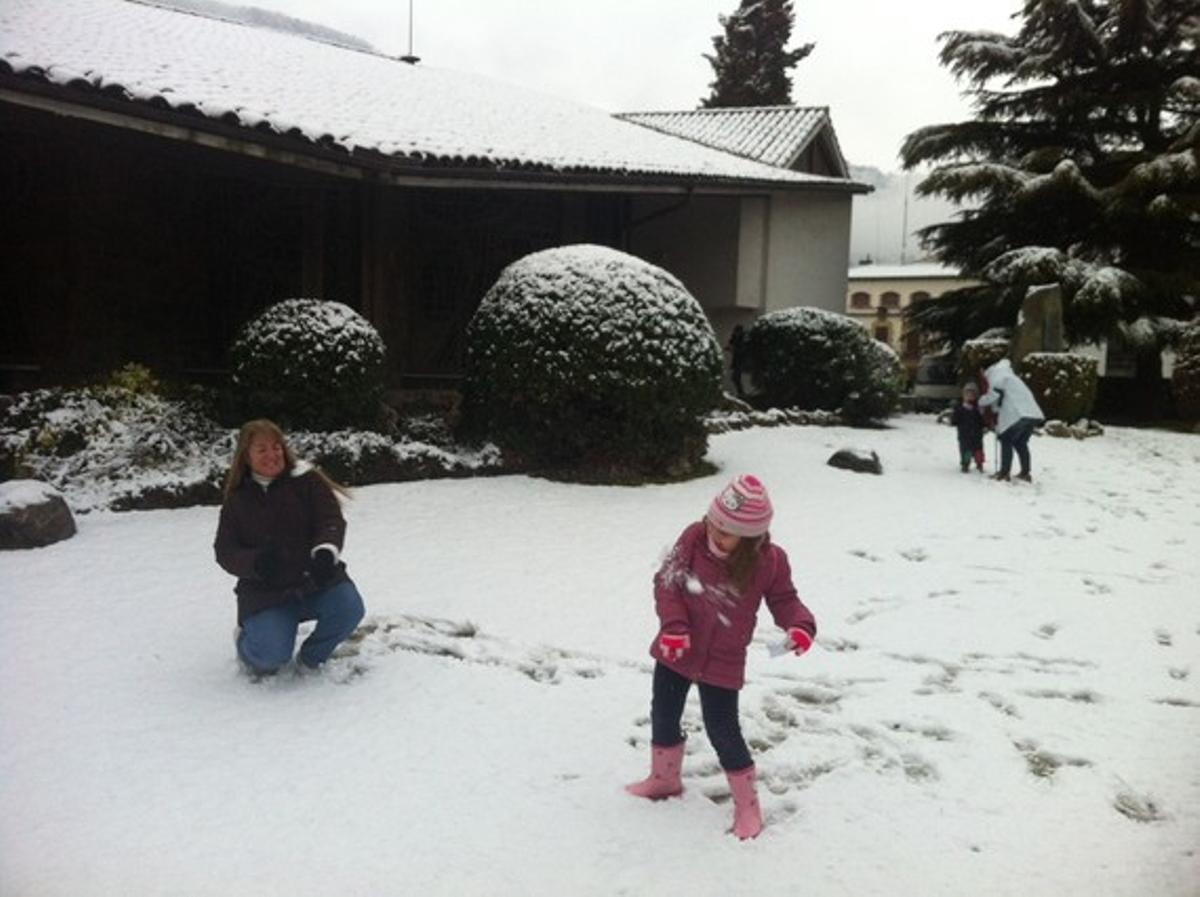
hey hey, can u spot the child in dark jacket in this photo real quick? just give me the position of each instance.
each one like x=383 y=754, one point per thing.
x=968 y=420
x=707 y=594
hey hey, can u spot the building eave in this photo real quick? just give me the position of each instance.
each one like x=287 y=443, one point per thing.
x=85 y=102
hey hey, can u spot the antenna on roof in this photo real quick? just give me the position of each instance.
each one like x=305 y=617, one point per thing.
x=409 y=57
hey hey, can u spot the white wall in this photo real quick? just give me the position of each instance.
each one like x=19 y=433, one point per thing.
x=808 y=250
x=741 y=256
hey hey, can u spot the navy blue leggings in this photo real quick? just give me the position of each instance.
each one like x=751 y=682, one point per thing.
x=720 y=709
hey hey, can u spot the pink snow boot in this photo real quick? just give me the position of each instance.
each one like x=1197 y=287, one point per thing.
x=664 y=780
x=747 y=815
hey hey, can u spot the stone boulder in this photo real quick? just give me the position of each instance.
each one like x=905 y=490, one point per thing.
x=32 y=514
x=858 y=460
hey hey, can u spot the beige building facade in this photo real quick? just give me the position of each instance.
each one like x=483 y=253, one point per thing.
x=877 y=295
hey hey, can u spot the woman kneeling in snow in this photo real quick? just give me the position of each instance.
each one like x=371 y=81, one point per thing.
x=280 y=534
x=707 y=595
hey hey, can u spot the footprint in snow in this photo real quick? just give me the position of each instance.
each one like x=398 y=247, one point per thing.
x=1046 y=631
x=1078 y=696
x=1043 y=763
x=1177 y=702
x=1138 y=807
x=462 y=641
x=1004 y=706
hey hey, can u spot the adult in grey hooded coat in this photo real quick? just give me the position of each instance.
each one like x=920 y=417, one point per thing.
x=1017 y=413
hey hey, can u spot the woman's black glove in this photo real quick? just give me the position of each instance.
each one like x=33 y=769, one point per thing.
x=267 y=562
x=323 y=566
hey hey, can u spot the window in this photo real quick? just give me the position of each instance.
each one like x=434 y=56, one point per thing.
x=890 y=299
x=883 y=333
x=918 y=296
x=860 y=300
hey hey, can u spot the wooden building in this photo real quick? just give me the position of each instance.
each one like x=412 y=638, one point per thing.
x=167 y=175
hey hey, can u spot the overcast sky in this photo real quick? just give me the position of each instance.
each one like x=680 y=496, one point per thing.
x=875 y=63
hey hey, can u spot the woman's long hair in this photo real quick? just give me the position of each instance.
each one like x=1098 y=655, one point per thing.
x=239 y=468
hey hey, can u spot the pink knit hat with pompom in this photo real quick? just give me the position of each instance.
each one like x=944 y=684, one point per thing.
x=742 y=508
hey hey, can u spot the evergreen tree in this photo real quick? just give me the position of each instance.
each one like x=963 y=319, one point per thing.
x=750 y=62
x=1080 y=167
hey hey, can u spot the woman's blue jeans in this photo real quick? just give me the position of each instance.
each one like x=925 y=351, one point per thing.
x=268 y=637
x=1016 y=438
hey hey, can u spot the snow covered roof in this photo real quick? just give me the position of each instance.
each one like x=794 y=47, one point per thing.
x=915 y=271
x=774 y=135
x=345 y=100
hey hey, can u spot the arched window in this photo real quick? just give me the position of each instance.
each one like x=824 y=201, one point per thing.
x=890 y=299
x=918 y=296
x=860 y=300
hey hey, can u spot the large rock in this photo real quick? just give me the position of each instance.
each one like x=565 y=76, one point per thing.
x=1040 y=324
x=858 y=460
x=32 y=514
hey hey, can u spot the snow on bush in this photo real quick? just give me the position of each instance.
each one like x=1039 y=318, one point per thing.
x=814 y=359
x=308 y=363
x=109 y=446
x=1064 y=384
x=112 y=448
x=1028 y=264
x=1185 y=379
x=588 y=358
x=727 y=421
x=979 y=354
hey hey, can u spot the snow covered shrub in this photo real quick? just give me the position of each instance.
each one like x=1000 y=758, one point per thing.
x=881 y=378
x=308 y=363
x=105 y=446
x=586 y=358
x=814 y=359
x=135 y=378
x=978 y=355
x=1063 y=384
x=1185 y=380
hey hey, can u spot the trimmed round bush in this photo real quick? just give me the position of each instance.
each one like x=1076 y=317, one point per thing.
x=587 y=359
x=309 y=364
x=881 y=376
x=814 y=359
x=980 y=354
x=1185 y=379
x=1063 y=384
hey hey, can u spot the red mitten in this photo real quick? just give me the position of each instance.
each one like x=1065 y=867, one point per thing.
x=674 y=644
x=801 y=640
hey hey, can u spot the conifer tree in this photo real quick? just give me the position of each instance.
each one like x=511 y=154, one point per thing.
x=750 y=62
x=1080 y=167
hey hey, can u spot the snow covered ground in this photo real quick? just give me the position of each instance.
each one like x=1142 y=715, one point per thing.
x=1005 y=696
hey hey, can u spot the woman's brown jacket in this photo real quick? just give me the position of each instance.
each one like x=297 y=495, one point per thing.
x=295 y=513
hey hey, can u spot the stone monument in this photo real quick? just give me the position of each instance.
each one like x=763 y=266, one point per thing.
x=1040 y=323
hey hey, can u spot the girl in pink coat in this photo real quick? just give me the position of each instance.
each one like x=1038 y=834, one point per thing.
x=707 y=595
